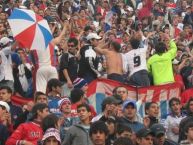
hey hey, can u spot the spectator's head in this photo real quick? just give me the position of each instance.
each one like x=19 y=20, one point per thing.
x=129 y=109
x=159 y=134
x=39 y=111
x=84 y=113
x=54 y=85
x=122 y=91
x=152 y=109
x=115 y=46
x=189 y=106
x=111 y=124
x=93 y=39
x=4 y=108
x=109 y=105
x=188 y=128
x=98 y=133
x=123 y=130
x=80 y=83
x=5 y=93
x=123 y=141
x=50 y=121
x=65 y=105
x=144 y=137
x=175 y=106
x=134 y=43
x=40 y=97
x=5 y=42
x=160 y=48
x=72 y=45
x=76 y=95
x=51 y=137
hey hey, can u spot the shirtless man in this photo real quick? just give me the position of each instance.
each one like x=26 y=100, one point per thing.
x=113 y=58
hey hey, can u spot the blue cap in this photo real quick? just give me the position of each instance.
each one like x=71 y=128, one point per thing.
x=129 y=102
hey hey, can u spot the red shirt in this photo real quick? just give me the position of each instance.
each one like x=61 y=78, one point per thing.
x=186 y=95
x=29 y=131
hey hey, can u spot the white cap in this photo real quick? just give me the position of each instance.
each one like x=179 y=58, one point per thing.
x=130 y=9
x=5 y=40
x=2 y=103
x=93 y=36
x=52 y=132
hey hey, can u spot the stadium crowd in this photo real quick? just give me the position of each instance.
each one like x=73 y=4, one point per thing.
x=135 y=42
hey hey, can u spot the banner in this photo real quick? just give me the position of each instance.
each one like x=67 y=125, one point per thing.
x=101 y=88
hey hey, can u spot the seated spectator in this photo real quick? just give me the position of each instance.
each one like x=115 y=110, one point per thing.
x=98 y=133
x=152 y=112
x=123 y=130
x=67 y=119
x=51 y=137
x=130 y=117
x=159 y=135
x=173 y=120
x=189 y=134
x=4 y=131
x=144 y=137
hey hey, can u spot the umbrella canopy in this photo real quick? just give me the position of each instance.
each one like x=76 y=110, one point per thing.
x=30 y=29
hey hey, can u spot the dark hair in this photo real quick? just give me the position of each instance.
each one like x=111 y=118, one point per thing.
x=120 y=128
x=98 y=126
x=76 y=94
x=116 y=46
x=85 y=106
x=173 y=100
x=37 y=107
x=160 y=48
x=123 y=141
x=188 y=106
x=134 y=43
x=73 y=40
x=187 y=126
x=148 y=105
x=53 y=83
x=50 y=121
x=9 y=90
x=37 y=94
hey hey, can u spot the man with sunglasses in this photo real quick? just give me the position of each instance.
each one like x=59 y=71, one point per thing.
x=68 y=69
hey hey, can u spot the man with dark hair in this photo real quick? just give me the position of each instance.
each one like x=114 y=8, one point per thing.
x=160 y=64
x=5 y=95
x=89 y=61
x=98 y=133
x=79 y=133
x=186 y=120
x=54 y=87
x=30 y=132
x=189 y=134
x=159 y=135
x=68 y=69
x=172 y=121
x=113 y=58
x=135 y=62
x=123 y=130
x=144 y=137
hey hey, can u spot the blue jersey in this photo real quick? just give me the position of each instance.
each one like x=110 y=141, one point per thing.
x=53 y=105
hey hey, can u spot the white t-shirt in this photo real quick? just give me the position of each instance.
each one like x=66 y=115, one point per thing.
x=135 y=60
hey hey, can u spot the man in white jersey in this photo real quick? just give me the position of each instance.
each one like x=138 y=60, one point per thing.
x=45 y=62
x=135 y=62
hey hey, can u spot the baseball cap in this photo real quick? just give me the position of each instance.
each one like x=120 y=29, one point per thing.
x=93 y=36
x=52 y=132
x=62 y=101
x=2 y=103
x=4 y=41
x=129 y=102
x=144 y=132
x=157 y=129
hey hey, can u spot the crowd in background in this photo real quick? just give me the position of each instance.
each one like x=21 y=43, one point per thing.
x=135 y=42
